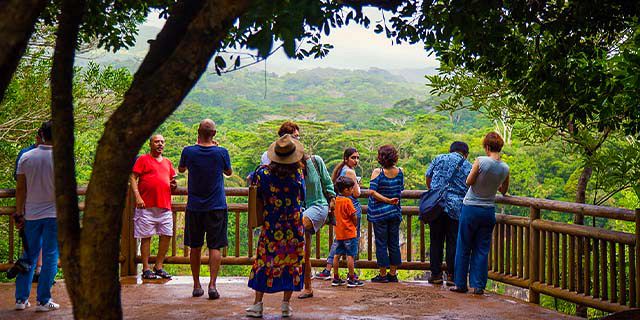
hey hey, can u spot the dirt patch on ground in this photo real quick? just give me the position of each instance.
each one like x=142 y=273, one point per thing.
x=405 y=300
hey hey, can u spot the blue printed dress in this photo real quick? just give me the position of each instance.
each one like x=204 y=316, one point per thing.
x=280 y=254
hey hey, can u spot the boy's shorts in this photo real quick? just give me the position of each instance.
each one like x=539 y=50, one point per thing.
x=347 y=247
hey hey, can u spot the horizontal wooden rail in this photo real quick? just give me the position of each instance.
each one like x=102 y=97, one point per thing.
x=317 y=263
x=585 y=231
x=578 y=298
x=544 y=204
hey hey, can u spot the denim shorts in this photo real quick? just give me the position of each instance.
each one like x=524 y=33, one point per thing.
x=347 y=247
x=318 y=215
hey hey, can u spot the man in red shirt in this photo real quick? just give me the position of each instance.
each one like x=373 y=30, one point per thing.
x=152 y=180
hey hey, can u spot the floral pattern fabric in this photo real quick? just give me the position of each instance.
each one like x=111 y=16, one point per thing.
x=280 y=253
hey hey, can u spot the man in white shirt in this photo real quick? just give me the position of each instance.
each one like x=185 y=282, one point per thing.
x=36 y=213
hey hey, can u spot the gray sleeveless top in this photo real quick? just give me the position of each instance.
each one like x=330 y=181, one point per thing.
x=491 y=175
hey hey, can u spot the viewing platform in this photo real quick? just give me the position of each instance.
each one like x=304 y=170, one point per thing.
x=172 y=299
x=586 y=265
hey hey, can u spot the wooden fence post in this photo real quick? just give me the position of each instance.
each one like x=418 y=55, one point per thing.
x=534 y=248
x=637 y=267
x=127 y=241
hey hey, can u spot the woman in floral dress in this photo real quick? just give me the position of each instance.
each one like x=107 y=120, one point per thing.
x=279 y=260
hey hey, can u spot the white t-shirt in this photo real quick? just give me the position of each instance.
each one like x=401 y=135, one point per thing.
x=37 y=166
x=264 y=160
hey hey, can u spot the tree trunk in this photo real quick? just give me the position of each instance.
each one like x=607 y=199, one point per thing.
x=581 y=191
x=173 y=65
x=17 y=22
x=70 y=17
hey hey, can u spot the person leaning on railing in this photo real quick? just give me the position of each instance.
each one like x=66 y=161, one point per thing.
x=385 y=214
x=477 y=219
x=278 y=263
x=346 y=168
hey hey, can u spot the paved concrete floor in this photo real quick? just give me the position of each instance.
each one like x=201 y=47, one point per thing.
x=161 y=300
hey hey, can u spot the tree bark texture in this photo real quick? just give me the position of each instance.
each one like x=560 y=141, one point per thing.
x=17 y=22
x=581 y=191
x=70 y=17
x=173 y=65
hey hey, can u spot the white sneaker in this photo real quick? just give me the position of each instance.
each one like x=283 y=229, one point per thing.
x=255 y=311
x=21 y=305
x=48 y=306
x=286 y=309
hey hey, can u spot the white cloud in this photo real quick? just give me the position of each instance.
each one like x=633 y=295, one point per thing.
x=354 y=48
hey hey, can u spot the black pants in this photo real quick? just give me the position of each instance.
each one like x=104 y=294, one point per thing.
x=444 y=228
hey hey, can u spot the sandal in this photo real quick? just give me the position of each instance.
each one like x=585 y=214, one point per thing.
x=306 y=295
x=161 y=273
x=149 y=275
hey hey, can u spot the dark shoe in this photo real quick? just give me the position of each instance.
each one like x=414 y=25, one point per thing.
x=459 y=290
x=380 y=279
x=323 y=275
x=149 y=275
x=435 y=279
x=337 y=282
x=392 y=278
x=305 y=295
x=213 y=294
x=197 y=292
x=161 y=273
x=352 y=283
x=478 y=291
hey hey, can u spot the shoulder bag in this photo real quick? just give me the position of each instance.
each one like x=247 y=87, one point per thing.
x=432 y=202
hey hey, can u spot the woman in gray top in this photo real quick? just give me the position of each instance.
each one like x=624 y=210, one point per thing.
x=477 y=219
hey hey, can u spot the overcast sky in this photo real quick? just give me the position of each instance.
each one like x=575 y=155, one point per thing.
x=354 y=48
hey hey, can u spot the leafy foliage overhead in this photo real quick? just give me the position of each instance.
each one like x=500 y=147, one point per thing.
x=571 y=61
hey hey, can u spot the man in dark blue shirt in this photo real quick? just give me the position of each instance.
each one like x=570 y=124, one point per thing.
x=446 y=226
x=206 y=205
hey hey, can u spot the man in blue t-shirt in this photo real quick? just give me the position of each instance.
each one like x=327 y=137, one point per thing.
x=206 y=205
x=445 y=228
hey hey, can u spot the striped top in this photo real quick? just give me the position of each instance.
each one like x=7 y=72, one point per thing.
x=390 y=188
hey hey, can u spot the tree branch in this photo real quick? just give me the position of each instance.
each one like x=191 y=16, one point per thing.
x=17 y=22
x=69 y=239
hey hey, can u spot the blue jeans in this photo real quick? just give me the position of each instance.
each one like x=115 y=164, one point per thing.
x=40 y=234
x=334 y=245
x=473 y=245
x=387 y=234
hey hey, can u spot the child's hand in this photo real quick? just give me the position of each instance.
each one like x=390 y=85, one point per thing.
x=394 y=201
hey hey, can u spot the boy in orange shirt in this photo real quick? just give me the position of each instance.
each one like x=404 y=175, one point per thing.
x=346 y=221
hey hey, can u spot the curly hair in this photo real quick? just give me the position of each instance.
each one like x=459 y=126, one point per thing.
x=493 y=142
x=387 y=156
x=288 y=127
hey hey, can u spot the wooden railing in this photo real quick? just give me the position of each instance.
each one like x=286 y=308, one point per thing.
x=581 y=264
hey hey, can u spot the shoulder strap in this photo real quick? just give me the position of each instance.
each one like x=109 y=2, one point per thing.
x=455 y=171
x=254 y=175
x=317 y=167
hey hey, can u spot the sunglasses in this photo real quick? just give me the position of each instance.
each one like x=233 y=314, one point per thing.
x=354 y=157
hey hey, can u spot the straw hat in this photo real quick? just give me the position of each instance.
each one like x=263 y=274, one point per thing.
x=286 y=150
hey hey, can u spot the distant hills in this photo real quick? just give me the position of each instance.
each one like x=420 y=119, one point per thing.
x=353 y=97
